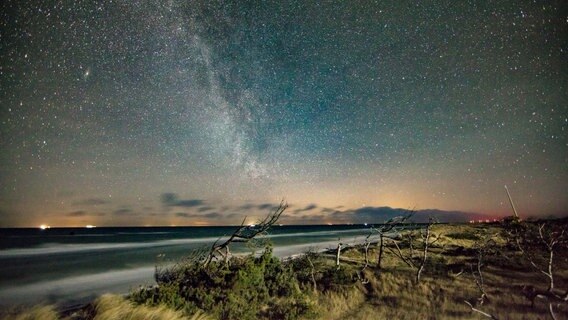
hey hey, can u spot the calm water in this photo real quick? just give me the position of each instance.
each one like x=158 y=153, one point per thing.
x=72 y=265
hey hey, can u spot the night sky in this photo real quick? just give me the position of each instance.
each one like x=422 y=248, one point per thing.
x=203 y=112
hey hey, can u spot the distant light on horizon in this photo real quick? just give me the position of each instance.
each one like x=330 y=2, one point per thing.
x=44 y=226
x=90 y=226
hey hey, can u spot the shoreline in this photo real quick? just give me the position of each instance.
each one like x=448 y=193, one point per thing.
x=78 y=290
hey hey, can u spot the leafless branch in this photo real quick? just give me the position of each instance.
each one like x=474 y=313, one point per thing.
x=426 y=234
x=312 y=272
x=400 y=255
x=245 y=234
x=490 y=316
x=366 y=248
x=392 y=225
x=551 y=311
x=338 y=253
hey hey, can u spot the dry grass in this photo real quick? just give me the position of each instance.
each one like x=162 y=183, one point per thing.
x=392 y=293
x=35 y=313
x=110 y=307
x=338 y=305
x=107 y=307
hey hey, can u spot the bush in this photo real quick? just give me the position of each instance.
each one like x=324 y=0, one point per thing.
x=245 y=288
x=463 y=236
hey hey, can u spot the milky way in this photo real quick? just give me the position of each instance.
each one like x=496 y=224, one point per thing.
x=202 y=112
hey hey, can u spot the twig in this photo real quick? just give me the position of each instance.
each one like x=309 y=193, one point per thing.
x=245 y=234
x=488 y=315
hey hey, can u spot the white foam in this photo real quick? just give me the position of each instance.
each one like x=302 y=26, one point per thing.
x=59 y=248
x=85 y=287
x=77 y=287
x=56 y=248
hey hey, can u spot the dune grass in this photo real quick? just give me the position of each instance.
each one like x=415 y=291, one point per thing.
x=391 y=293
x=106 y=307
x=35 y=313
x=110 y=307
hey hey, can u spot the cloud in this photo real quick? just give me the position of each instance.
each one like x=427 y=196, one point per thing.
x=205 y=208
x=77 y=214
x=247 y=206
x=266 y=206
x=447 y=216
x=168 y=198
x=211 y=215
x=304 y=219
x=123 y=212
x=382 y=214
x=371 y=214
x=91 y=202
x=307 y=208
x=186 y=215
x=252 y=206
x=81 y=213
x=171 y=200
x=189 y=203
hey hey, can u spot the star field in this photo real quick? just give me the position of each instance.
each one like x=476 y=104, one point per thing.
x=202 y=112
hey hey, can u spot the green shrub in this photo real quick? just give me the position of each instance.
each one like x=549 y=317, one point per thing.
x=244 y=288
x=463 y=236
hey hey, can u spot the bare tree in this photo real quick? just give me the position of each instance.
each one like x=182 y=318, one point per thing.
x=409 y=259
x=426 y=235
x=391 y=226
x=312 y=271
x=538 y=243
x=549 y=240
x=366 y=246
x=244 y=234
x=338 y=253
x=483 y=247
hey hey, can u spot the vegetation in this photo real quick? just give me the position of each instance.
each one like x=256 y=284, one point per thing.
x=512 y=270
x=245 y=288
x=35 y=313
x=107 y=307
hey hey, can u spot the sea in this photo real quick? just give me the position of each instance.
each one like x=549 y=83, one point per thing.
x=71 y=266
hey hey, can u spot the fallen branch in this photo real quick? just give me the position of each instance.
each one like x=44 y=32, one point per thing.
x=488 y=315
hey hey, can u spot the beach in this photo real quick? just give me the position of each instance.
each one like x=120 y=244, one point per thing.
x=71 y=266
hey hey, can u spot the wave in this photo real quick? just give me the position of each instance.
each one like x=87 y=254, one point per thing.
x=80 y=289
x=317 y=233
x=77 y=288
x=145 y=233
x=59 y=248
